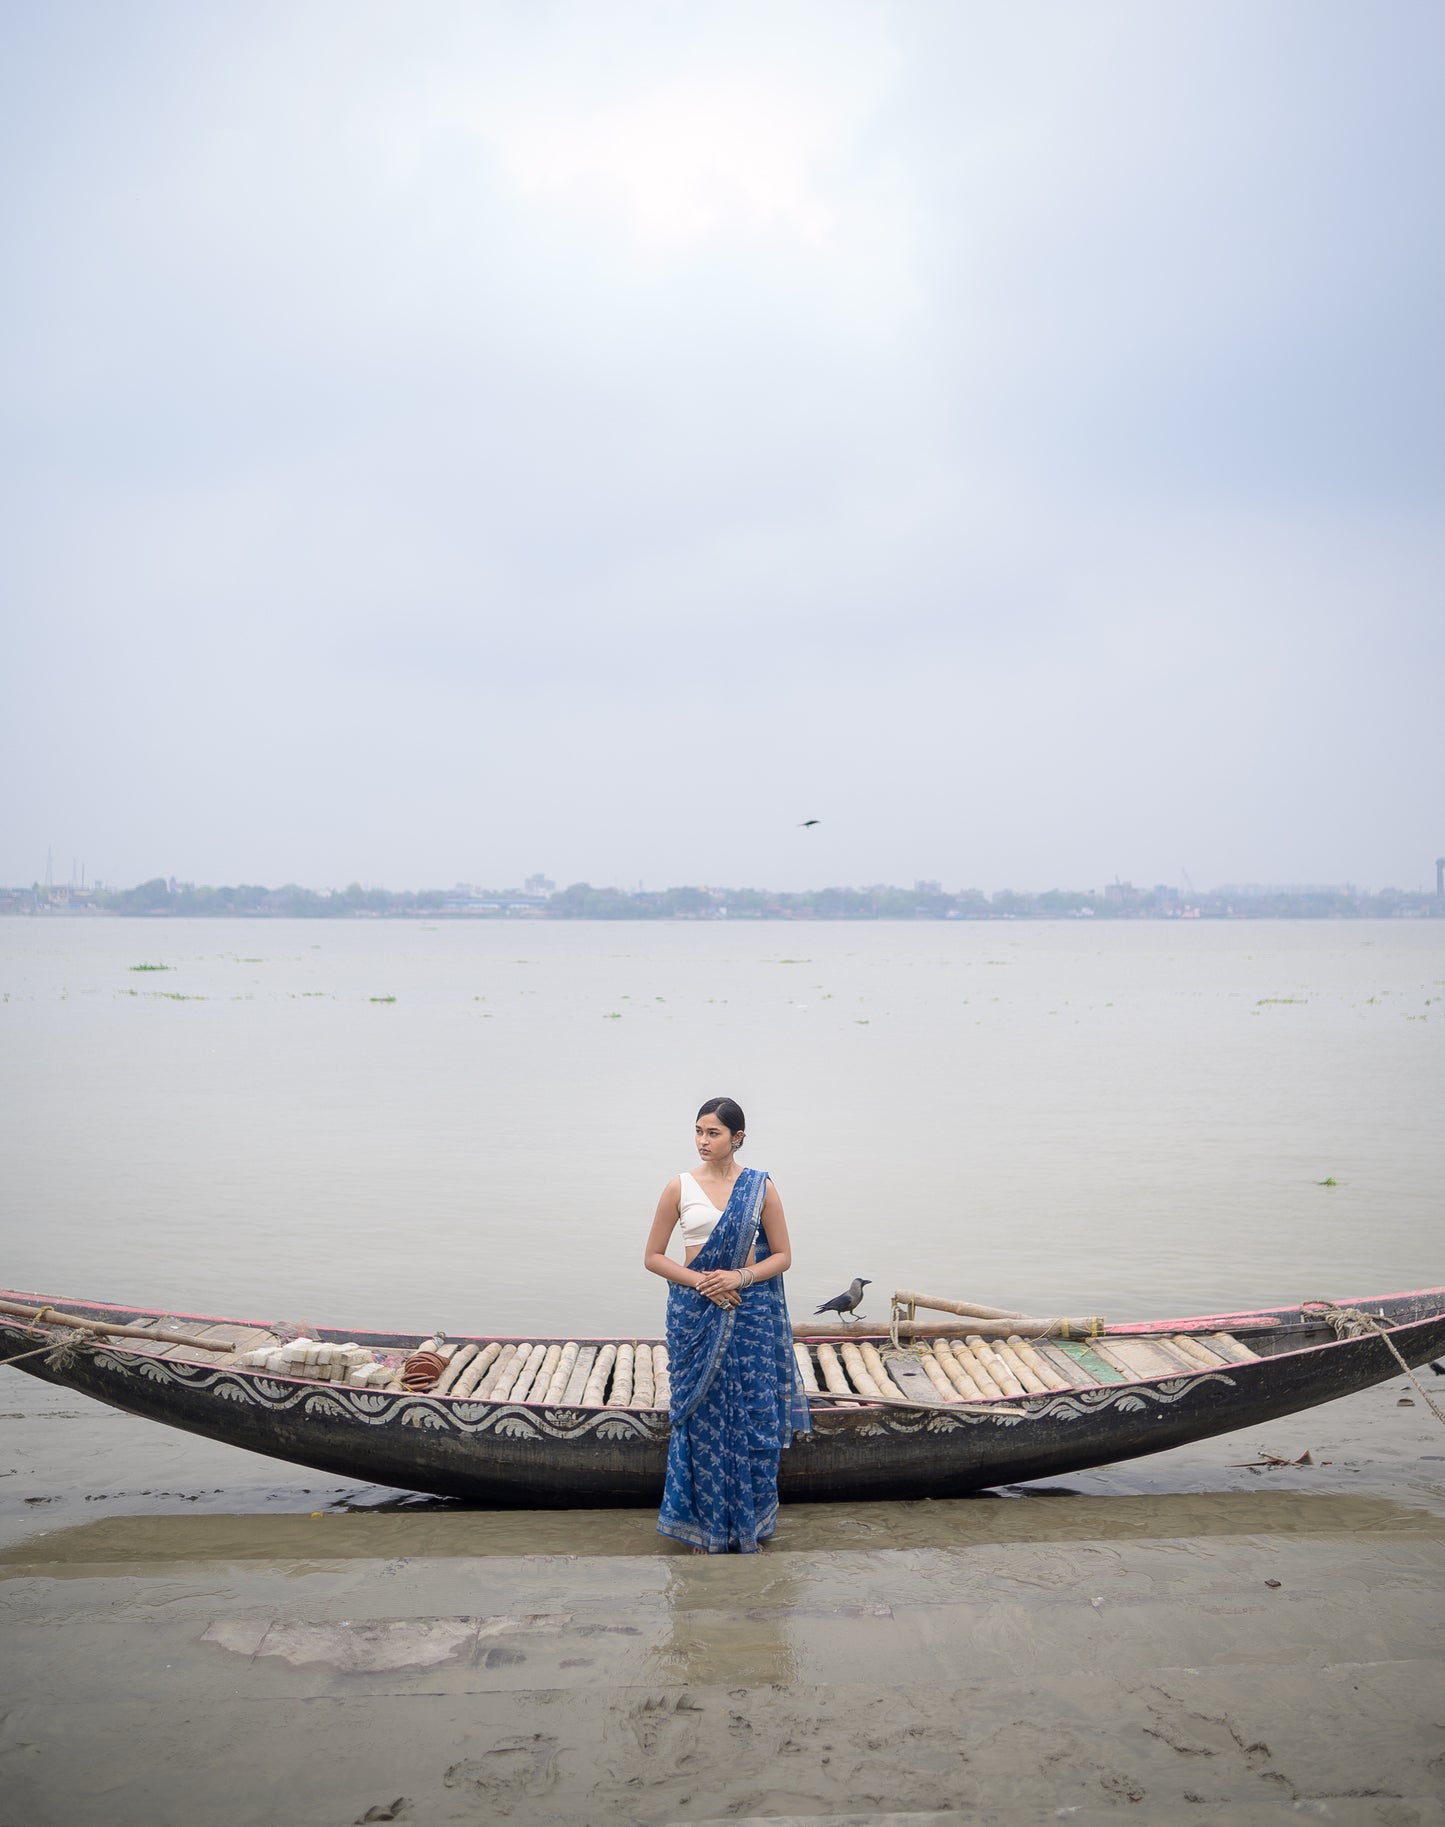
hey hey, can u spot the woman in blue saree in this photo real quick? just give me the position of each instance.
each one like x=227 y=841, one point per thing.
x=737 y=1400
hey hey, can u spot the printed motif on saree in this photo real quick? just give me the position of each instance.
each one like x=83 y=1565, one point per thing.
x=736 y=1397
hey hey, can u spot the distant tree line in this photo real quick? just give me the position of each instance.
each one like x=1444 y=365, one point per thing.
x=581 y=901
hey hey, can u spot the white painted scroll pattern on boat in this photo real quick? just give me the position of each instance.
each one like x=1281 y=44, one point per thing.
x=1076 y=1405
x=339 y=1402
x=515 y=1422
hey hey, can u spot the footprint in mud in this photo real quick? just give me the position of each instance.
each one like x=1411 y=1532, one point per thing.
x=1194 y=1734
x=1040 y=1755
x=662 y=1724
x=513 y=1768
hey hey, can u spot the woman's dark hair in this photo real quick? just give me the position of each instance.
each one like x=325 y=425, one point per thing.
x=727 y=1112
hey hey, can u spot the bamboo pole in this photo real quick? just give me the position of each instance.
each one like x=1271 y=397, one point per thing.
x=577 y=1383
x=877 y=1369
x=1017 y=1322
x=644 y=1384
x=1051 y=1378
x=1230 y=1347
x=858 y=1371
x=1196 y=1352
x=50 y=1317
x=982 y=1366
x=998 y=1370
x=594 y=1392
x=975 y=1367
x=906 y=1298
x=936 y=1329
x=507 y=1381
x=1023 y=1373
x=525 y=1372
x=477 y=1369
x=521 y=1366
x=933 y=1370
x=455 y=1366
x=832 y=1370
x=487 y=1383
x=531 y=1383
x=956 y=1371
x=561 y=1375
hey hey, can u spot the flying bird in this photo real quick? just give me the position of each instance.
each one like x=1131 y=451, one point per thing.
x=809 y=821
x=846 y=1304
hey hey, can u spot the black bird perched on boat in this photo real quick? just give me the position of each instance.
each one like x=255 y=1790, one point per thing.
x=846 y=1304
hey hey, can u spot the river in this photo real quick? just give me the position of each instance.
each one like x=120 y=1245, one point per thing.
x=467 y=1125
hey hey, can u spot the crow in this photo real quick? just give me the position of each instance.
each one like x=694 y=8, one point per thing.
x=844 y=1305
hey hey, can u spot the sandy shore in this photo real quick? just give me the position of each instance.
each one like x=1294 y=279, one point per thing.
x=194 y=1635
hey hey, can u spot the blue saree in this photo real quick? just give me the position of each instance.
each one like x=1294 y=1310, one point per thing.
x=736 y=1397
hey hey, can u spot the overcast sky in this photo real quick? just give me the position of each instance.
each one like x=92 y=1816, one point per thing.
x=451 y=439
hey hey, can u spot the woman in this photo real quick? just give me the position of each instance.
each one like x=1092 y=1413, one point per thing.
x=736 y=1397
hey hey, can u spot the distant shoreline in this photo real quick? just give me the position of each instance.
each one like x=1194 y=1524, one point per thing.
x=542 y=900
x=1233 y=914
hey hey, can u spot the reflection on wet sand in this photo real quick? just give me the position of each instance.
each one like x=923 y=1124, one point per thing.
x=153 y=1541
x=712 y=1643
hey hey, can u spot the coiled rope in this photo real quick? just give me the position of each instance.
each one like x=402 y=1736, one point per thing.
x=1351 y=1323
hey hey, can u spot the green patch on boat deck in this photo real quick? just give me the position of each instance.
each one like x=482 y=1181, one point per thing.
x=1090 y=1361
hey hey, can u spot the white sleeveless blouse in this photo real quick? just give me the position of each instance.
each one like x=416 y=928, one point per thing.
x=696 y=1214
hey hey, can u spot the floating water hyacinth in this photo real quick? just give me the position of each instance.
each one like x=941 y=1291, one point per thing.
x=152 y=967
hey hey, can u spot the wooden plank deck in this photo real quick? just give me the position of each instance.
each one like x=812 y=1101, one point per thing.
x=1098 y=1369
x=244 y=1338
x=1066 y=1366
x=1140 y=1358
x=913 y=1381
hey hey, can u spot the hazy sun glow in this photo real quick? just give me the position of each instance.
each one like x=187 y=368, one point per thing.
x=687 y=159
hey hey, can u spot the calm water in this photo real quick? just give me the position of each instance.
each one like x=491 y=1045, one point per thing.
x=1126 y=1120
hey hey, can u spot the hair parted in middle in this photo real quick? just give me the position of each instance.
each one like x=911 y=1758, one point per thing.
x=727 y=1111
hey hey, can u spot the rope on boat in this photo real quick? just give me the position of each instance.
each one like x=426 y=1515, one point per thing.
x=1351 y=1323
x=63 y=1349
x=1028 y=1326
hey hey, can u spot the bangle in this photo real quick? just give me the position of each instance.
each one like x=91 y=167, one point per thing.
x=745 y=1279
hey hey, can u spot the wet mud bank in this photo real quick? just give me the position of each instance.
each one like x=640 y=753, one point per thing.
x=193 y=1635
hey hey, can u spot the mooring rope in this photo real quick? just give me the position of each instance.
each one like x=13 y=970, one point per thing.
x=905 y=1312
x=64 y=1349
x=1351 y=1323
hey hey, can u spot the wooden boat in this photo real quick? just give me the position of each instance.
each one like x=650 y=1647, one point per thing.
x=899 y=1426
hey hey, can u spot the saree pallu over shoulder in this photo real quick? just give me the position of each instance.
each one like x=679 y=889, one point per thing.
x=736 y=1397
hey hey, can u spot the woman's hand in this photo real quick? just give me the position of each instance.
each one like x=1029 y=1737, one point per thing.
x=721 y=1286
